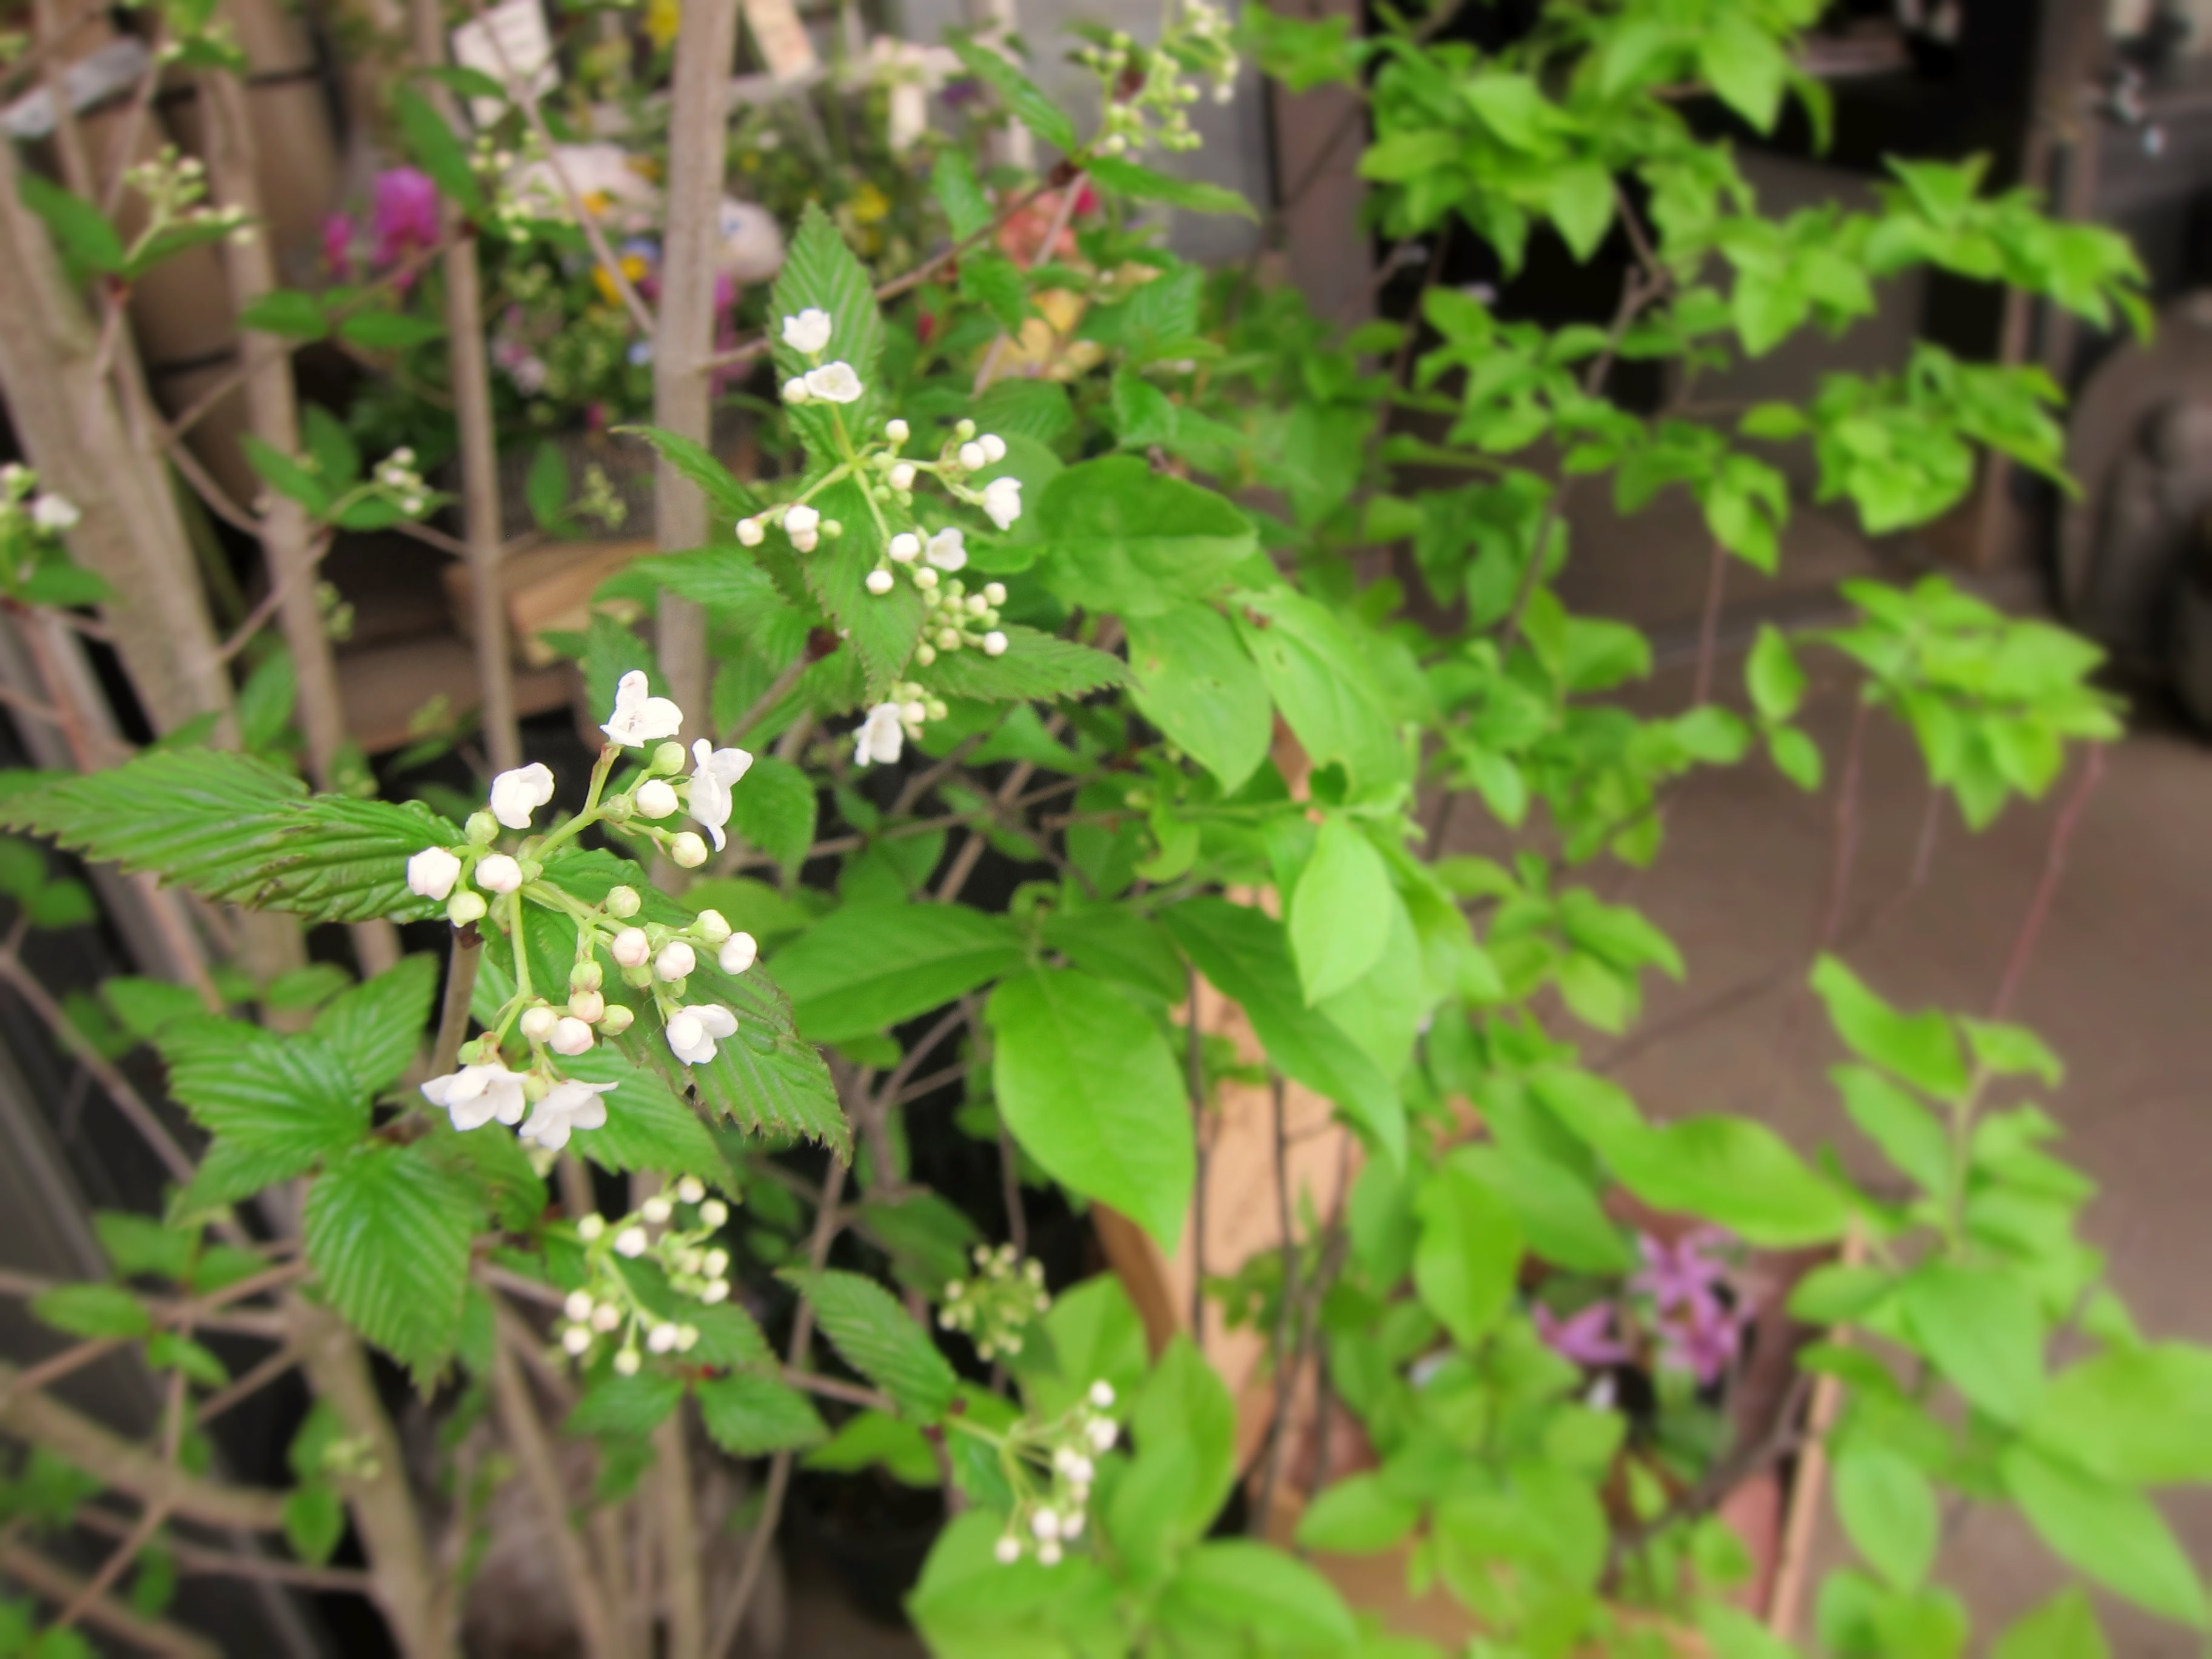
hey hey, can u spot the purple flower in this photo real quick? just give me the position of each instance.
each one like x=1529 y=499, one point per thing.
x=1699 y=1330
x=1586 y=1337
x=338 y=233
x=1705 y=1342
x=406 y=214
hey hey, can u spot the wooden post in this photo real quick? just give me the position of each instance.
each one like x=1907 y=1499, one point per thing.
x=683 y=334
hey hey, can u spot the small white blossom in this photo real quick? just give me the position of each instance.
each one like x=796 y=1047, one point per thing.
x=655 y=799
x=630 y=948
x=589 y=1229
x=695 y=1028
x=537 y=1024
x=475 y=1095
x=498 y=873
x=994 y=593
x=661 y=1338
x=750 y=533
x=1002 y=499
x=879 y=582
x=995 y=644
x=948 y=550
x=994 y=447
x=809 y=331
x=1008 y=1550
x=834 y=382
x=902 y=476
x=1049 y=1554
x=715 y=773
x=1104 y=1433
x=432 y=872
x=906 y=547
x=640 y=717
x=676 y=960
x=799 y=520
x=687 y=850
x=795 y=390
x=571 y=1035
x=881 y=737
x=690 y=1189
x=606 y=1317
x=973 y=457
x=576 y=1338
x=587 y=1005
x=627 y=1362
x=1045 y=1523
x=55 y=513
x=515 y=795
x=566 y=1106
x=631 y=1242
x=739 y=952
x=1102 y=1394
x=657 y=1210
x=898 y=430
x=578 y=1306
x=713 y=1212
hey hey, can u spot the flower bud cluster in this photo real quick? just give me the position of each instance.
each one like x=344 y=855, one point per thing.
x=1056 y=1465
x=953 y=618
x=1146 y=94
x=29 y=520
x=674 y=1231
x=516 y=195
x=996 y=1307
x=399 y=481
x=174 y=186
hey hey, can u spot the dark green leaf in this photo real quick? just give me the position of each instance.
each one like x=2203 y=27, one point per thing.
x=387 y=1234
x=868 y=967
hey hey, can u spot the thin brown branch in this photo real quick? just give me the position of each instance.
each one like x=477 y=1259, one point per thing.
x=453 y=1011
x=142 y=1531
x=527 y=1439
x=2046 y=887
x=195 y=1561
x=51 y=1582
x=248 y=1383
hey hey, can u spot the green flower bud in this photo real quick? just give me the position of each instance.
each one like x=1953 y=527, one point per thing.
x=464 y=907
x=623 y=902
x=586 y=976
x=616 y=1020
x=639 y=978
x=667 y=759
x=484 y=829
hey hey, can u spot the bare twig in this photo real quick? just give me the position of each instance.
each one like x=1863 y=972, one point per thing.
x=453 y=1011
x=56 y=1583
x=525 y=1437
x=248 y=1383
x=2046 y=888
x=141 y=1531
x=197 y=1561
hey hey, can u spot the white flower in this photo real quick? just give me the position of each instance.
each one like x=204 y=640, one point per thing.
x=515 y=795
x=795 y=390
x=948 y=549
x=713 y=1212
x=1048 y=1555
x=973 y=457
x=906 y=547
x=570 y=1035
x=902 y=476
x=657 y=1210
x=606 y=1317
x=1104 y=1433
x=630 y=947
x=476 y=1094
x=834 y=383
x=994 y=447
x=1002 y=499
x=1102 y=1394
x=537 y=1024
x=676 y=960
x=995 y=644
x=568 y=1105
x=690 y=1189
x=739 y=952
x=55 y=513
x=575 y=1338
x=578 y=1306
x=879 y=582
x=898 y=430
x=750 y=532
x=498 y=873
x=661 y=1338
x=640 y=719
x=687 y=850
x=800 y=520
x=655 y=799
x=631 y=1242
x=714 y=773
x=881 y=737
x=1045 y=1523
x=432 y=872
x=694 y=1029
x=1008 y=1550
x=807 y=333
x=994 y=593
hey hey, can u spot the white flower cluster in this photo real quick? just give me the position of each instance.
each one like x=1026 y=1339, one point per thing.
x=174 y=186
x=997 y=1305
x=401 y=480
x=657 y=958
x=1057 y=1465
x=605 y=1308
x=882 y=735
x=1145 y=93
x=884 y=475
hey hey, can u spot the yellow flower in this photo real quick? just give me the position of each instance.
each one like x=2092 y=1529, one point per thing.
x=633 y=266
x=660 y=19
x=869 y=204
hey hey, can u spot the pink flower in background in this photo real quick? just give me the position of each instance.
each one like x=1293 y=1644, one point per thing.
x=338 y=233
x=1700 y=1330
x=406 y=214
x=1586 y=1338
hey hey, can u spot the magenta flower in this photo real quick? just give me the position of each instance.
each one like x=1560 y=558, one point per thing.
x=1699 y=1329
x=338 y=233
x=1586 y=1338
x=406 y=214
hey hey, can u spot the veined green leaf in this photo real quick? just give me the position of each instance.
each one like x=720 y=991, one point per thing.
x=387 y=1234
x=878 y=1339
x=868 y=967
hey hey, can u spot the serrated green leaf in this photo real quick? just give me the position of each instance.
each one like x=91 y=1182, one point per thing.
x=624 y=1407
x=1195 y=682
x=286 y=1101
x=726 y=499
x=1124 y=538
x=376 y=1027
x=1035 y=668
x=387 y=1234
x=89 y=242
x=750 y=1416
x=1122 y=177
x=868 y=967
x=878 y=1339
x=1022 y=96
